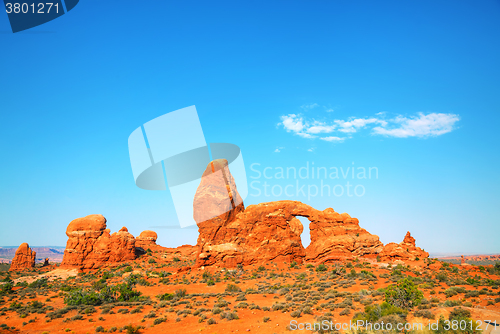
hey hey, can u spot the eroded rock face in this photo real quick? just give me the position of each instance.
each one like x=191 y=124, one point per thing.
x=261 y=233
x=146 y=239
x=23 y=259
x=404 y=251
x=91 y=246
x=336 y=236
x=271 y=231
x=216 y=203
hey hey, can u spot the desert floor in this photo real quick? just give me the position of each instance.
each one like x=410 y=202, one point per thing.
x=253 y=298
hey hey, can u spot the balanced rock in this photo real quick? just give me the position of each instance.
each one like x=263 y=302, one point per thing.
x=146 y=239
x=23 y=259
x=406 y=250
x=91 y=246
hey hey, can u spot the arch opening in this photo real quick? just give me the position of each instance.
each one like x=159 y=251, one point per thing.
x=306 y=234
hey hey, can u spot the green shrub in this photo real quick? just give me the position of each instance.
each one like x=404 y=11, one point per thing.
x=180 y=293
x=159 y=321
x=373 y=313
x=165 y=296
x=109 y=294
x=321 y=267
x=451 y=303
x=132 y=329
x=404 y=294
x=233 y=288
x=424 y=314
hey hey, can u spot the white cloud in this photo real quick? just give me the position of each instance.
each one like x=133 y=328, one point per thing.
x=421 y=125
x=292 y=123
x=277 y=150
x=295 y=123
x=355 y=124
x=321 y=128
x=333 y=139
x=433 y=124
x=311 y=149
x=305 y=135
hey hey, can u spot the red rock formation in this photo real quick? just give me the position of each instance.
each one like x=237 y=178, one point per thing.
x=23 y=259
x=230 y=234
x=146 y=239
x=271 y=231
x=336 y=236
x=216 y=199
x=183 y=253
x=91 y=246
x=46 y=263
x=261 y=233
x=404 y=251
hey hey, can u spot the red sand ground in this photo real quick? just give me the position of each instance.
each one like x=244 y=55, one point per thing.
x=483 y=307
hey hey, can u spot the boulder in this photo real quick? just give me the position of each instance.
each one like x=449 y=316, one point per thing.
x=91 y=246
x=23 y=259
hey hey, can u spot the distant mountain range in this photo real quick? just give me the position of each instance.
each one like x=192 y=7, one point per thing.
x=53 y=253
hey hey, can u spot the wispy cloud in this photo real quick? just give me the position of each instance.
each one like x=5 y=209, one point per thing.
x=429 y=125
x=333 y=139
x=278 y=149
x=420 y=125
x=319 y=127
x=309 y=106
x=353 y=125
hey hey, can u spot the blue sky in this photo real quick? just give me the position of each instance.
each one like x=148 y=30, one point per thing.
x=417 y=80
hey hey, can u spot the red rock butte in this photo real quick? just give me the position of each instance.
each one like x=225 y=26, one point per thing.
x=23 y=259
x=91 y=246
